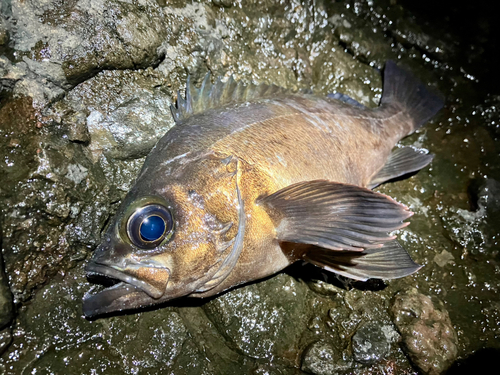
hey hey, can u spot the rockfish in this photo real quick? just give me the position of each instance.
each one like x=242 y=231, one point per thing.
x=253 y=178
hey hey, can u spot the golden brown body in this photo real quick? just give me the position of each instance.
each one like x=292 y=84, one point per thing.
x=236 y=179
x=335 y=142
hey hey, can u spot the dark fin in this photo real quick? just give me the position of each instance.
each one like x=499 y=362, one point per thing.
x=334 y=216
x=346 y=99
x=390 y=261
x=402 y=88
x=218 y=94
x=402 y=161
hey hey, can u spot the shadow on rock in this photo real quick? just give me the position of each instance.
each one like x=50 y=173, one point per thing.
x=480 y=362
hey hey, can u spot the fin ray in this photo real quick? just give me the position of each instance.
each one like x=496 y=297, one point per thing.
x=219 y=94
x=403 y=89
x=402 y=161
x=347 y=217
x=391 y=261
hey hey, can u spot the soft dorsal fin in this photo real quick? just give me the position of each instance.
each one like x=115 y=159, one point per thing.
x=218 y=94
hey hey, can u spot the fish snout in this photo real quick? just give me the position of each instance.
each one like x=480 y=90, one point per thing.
x=119 y=263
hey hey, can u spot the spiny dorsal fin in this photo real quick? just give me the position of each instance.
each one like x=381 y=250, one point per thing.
x=218 y=94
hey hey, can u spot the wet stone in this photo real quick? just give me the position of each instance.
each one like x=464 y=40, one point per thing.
x=6 y=308
x=322 y=358
x=82 y=37
x=324 y=288
x=5 y=339
x=127 y=122
x=428 y=335
x=372 y=342
x=4 y=34
x=262 y=320
x=143 y=342
x=104 y=73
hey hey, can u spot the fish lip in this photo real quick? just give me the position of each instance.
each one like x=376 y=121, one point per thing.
x=109 y=271
x=109 y=300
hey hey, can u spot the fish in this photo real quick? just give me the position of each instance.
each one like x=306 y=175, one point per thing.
x=252 y=178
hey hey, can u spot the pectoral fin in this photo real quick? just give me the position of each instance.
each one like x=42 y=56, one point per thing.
x=334 y=216
x=390 y=261
x=402 y=161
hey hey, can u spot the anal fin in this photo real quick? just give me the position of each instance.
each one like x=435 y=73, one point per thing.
x=402 y=161
x=391 y=261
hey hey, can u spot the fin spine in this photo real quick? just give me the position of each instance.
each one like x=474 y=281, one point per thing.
x=208 y=96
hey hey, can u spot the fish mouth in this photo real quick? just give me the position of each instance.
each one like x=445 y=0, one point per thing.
x=128 y=291
x=114 y=273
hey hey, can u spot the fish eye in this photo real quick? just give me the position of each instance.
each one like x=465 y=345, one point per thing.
x=149 y=225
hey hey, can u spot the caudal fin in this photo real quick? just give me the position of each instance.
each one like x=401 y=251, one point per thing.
x=402 y=88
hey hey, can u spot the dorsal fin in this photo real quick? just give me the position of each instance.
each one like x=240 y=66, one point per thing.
x=218 y=94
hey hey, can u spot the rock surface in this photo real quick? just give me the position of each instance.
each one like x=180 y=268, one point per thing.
x=372 y=342
x=427 y=333
x=321 y=358
x=85 y=90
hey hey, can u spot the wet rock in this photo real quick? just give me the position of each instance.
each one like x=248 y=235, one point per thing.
x=368 y=44
x=262 y=320
x=100 y=76
x=56 y=201
x=336 y=71
x=67 y=42
x=5 y=11
x=224 y=3
x=126 y=122
x=4 y=34
x=464 y=227
x=321 y=358
x=489 y=197
x=5 y=339
x=6 y=307
x=56 y=336
x=444 y=258
x=427 y=333
x=324 y=288
x=372 y=342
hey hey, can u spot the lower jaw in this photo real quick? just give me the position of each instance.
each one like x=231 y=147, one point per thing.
x=119 y=297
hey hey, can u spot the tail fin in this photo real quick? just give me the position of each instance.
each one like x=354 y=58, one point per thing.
x=401 y=87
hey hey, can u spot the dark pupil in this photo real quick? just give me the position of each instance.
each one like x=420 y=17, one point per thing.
x=152 y=228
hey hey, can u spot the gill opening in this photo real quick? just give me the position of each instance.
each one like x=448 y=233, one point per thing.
x=230 y=261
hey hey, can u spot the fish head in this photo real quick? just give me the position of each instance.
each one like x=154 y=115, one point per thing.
x=175 y=233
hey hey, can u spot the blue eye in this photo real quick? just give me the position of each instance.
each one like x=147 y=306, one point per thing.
x=152 y=228
x=148 y=226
